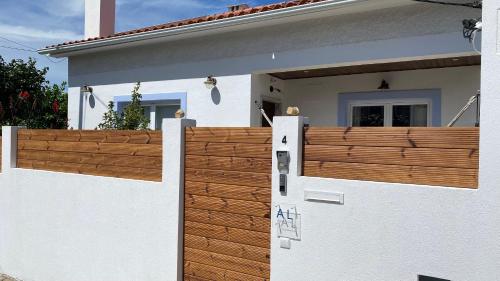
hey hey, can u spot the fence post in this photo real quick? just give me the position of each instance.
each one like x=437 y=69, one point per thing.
x=287 y=136
x=9 y=148
x=173 y=180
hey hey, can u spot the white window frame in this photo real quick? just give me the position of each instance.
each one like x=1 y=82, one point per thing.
x=152 y=113
x=388 y=105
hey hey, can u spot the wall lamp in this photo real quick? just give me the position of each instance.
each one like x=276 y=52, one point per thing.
x=211 y=82
x=87 y=89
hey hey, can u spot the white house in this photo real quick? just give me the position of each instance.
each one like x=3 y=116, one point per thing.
x=328 y=57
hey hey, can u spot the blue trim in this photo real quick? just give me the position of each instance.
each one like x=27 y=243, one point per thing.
x=147 y=99
x=433 y=94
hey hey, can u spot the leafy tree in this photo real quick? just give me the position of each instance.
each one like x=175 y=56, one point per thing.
x=28 y=99
x=111 y=120
x=132 y=117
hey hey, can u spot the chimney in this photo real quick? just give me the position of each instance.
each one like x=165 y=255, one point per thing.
x=99 y=18
x=234 y=8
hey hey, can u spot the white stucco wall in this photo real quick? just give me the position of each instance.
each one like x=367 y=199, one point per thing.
x=317 y=98
x=229 y=104
x=418 y=30
x=382 y=231
x=62 y=226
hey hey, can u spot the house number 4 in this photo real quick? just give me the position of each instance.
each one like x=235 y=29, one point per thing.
x=283 y=141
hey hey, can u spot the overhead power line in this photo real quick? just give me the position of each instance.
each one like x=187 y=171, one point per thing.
x=475 y=4
x=26 y=48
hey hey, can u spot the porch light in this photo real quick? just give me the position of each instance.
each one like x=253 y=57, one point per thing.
x=384 y=85
x=211 y=82
x=87 y=89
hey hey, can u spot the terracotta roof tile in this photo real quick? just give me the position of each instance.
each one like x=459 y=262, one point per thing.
x=225 y=15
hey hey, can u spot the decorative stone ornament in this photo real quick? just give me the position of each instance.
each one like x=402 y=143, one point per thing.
x=292 y=111
x=179 y=114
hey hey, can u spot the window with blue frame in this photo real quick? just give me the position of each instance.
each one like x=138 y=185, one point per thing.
x=413 y=108
x=156 y=106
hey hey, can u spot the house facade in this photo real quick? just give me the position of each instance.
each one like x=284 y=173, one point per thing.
x=329 y=58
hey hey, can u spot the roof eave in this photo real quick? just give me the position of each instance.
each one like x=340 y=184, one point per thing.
x=200 y=29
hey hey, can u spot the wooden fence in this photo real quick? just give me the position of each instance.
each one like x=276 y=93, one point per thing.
x=227 y=204
x=120 y=154
x=428 y=156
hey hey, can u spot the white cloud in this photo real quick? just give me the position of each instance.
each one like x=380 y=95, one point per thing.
x=28 y=33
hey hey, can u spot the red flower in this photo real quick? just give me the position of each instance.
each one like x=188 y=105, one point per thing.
x=24 y=95
x=55 y=106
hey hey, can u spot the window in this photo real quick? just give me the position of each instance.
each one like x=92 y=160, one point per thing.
x=156 y=106
x=390 y=113
x=416 y=108
x=157 y=112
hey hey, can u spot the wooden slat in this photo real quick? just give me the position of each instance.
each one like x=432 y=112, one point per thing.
x=438 y=176
x=207 y=272
x=257 y=209
x=467 y=138
x=227 y=203
x=96 y=170
x=224 y=233
x=228 y=177
x=227 y=248
x=242 y=221
x=244 y=150
x=118 y=136
x=92 y=147
x=228 y=163
x=236 y=135
x=434 y=157
x=93 y=158
x=248 y=193
x=228 y=262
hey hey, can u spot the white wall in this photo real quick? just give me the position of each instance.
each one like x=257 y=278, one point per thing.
x=422 y=30
x=227 y=105
x=317 y=98
x=383 y=231
x=60 y=226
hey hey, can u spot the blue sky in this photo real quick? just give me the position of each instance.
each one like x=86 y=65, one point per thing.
x=36 y=24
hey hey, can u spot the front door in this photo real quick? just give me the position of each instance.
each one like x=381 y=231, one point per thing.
x=270 y=108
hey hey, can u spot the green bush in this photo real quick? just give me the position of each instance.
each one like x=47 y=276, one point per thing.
x=132 y=117
x=28 y=99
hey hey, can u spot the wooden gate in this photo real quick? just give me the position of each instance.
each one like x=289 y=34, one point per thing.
x=227 y=204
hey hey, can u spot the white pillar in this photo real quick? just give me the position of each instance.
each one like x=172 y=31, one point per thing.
x=9 y=148
x=488 y=254
x=287 y=136
x=173 y=179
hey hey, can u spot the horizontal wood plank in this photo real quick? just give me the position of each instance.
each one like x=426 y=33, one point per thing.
x=96 y=170
x=212 y=273
x=242 y=150
x=227 y=248
x=251 y=208
x=228 y=163
x=224 y=233
x=92 y=147
x=227 y=262
x=248 y=193
x=146 y=162
x=236 y=135
x=115 y=136
x=437 y=176
x=242 y=221
x=434 y=157
x=228 y=177
x=467 y=138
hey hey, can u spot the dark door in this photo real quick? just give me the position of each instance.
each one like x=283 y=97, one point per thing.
x=270 y=110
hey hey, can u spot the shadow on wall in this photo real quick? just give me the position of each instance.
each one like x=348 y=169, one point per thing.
x=215 y=96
